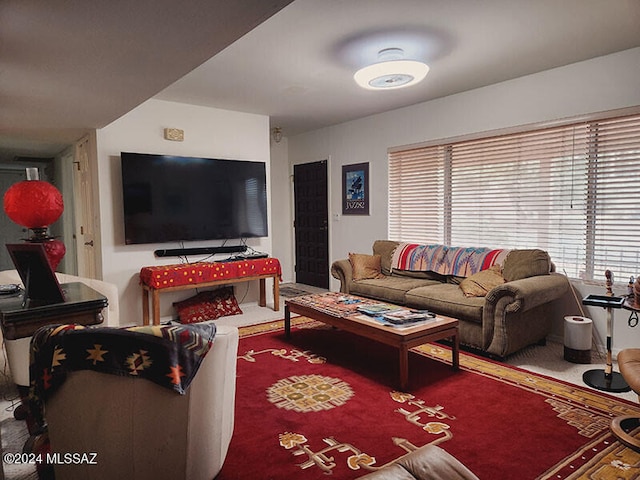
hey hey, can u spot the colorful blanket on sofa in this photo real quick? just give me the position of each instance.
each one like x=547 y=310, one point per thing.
x=445 y=260
x=168 y=355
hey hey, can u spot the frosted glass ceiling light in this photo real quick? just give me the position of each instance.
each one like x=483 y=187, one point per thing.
x=391 y=71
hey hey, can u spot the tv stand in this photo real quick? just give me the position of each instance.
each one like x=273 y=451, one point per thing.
x=188 y=276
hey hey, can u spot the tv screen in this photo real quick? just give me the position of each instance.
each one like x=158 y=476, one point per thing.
x=168 y=198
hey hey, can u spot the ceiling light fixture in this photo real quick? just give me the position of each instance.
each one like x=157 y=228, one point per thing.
x=392 y=71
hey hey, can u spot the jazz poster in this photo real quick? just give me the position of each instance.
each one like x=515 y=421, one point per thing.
x=355 y=189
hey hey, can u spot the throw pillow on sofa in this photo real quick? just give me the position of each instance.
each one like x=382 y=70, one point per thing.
x=208 y=305
x=521 y=264
x=365 y=266
x=479 y=284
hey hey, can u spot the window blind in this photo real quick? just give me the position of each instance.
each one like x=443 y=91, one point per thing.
x=569 y=190
x=614 y=191
x=416 y=184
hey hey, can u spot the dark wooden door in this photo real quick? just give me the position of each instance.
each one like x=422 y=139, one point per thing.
x=311 y=224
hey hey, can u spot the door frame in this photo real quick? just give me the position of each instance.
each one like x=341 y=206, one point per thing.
x=87 y=213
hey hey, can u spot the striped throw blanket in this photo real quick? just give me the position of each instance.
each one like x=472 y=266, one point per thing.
x=445 y=260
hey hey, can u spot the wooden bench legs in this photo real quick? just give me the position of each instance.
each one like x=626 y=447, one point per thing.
x=154 y=314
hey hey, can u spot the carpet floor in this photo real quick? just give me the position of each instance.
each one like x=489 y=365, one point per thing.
x=544 y=360
x=324 y=402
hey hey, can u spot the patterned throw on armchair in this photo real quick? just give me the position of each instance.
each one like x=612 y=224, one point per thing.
x=138 y=402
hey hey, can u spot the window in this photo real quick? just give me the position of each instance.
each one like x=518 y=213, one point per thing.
x=572 y=190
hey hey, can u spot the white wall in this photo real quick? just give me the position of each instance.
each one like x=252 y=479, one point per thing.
x=282 y=209
x=601 y=84
x=209 y=133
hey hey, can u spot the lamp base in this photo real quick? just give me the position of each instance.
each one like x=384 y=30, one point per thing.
x=53 y=247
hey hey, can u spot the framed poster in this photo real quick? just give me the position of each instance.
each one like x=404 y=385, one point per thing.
x=355 y=189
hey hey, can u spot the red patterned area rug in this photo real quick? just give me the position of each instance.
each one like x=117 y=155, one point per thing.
x=324 y=403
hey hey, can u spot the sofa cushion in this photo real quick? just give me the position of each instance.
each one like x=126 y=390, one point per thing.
x=365 y=266
x=453 y=279
x=446 y=299
x=521 y=264
x=388 y=289
x=479 y=284
x=385 y=249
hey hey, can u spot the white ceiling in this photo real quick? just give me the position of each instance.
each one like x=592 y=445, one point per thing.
x=66 y=66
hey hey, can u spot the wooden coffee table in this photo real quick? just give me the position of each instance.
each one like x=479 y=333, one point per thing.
x=340 y=311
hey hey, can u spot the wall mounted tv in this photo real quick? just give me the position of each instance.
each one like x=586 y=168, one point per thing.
x=174 y=199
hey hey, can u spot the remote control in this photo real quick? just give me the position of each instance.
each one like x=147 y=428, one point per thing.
x=9 y=289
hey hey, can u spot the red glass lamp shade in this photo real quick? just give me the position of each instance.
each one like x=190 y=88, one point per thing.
x=36 y=205
x=33 y=203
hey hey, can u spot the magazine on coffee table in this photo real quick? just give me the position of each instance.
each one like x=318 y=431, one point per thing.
x=405 y=317
x=374 y=309
x=381 y=320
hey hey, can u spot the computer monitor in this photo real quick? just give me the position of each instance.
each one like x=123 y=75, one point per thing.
x=40 y=282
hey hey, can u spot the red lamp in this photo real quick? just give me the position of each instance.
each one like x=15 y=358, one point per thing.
x=36 y=204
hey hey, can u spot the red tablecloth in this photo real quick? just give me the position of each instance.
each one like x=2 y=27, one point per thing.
x=166 y=276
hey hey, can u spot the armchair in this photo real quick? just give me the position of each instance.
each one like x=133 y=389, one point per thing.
x=139 y=429
x=625 y=427
x=428 y=462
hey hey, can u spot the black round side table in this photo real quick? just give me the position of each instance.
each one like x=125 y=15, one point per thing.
x=606 y=379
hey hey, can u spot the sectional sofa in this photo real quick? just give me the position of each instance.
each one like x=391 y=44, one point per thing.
x=504 y=299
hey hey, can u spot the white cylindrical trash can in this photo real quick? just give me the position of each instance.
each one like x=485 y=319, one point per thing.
x=577 y=339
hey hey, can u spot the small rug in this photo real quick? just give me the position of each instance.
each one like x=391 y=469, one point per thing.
x=324 y=402
x=291 y=292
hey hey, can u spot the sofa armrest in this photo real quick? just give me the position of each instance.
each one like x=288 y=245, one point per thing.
x=519 y=313
x=341 y=269
x=528 y=293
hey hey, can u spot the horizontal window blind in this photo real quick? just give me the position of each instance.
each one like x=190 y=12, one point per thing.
x=522 y=191
x=569 y=190
x=614 y=190
x=415 y=195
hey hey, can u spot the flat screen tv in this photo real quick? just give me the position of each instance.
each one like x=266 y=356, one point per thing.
x=174 y=199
